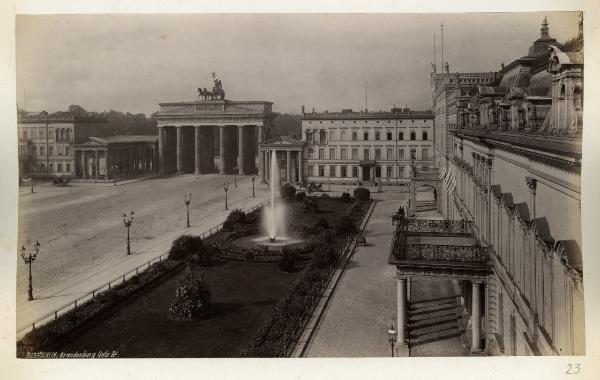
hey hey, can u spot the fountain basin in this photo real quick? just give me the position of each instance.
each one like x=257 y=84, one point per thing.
x=265 y=242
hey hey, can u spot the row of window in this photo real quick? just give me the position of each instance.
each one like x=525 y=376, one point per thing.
x=367 y=154
x=377 y=121
x=321 y=137
x=343 y=171
x=59 y=150
x=59 y=168
x=59 y=134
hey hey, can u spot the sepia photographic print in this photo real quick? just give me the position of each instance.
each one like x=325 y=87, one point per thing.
x=297 y=185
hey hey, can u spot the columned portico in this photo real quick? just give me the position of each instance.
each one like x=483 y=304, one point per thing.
x=241 y=127
x=288 y=152
x=401 y=310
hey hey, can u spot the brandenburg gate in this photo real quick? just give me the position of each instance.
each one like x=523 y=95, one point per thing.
x=188 y=133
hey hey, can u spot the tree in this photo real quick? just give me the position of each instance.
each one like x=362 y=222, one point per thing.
x=362 y=193
x=288 y=191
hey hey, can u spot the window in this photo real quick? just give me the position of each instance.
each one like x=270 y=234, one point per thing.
x=59 y=150
x=332 y=154
x=59 y=169
x=25 y=134
x=50 y=150
x=425 y=136
x=42 y=151
x=425 y=154
x=354 y=136
x=413 y=153
x=354 y=172
x=323 y=137
x=389 y=136
x=311 y=153
x=377 y=136
x=366 y=154
x=378 y=154
x=389 y=172
x=390 y=154
x=51 y=167
x=342 y=136
x=401 y=136
x=354 y=153
x=378 y=172
x=308 y=136
x=343 y=154
x=68 y=167
x=67 y=150
x=321 y=171
x=321 y=154
x=413 y=136
x=401 y=154
x=400 y=171
x=311 y=170
x=366 y=136
x=332 y=171
x=344 y=171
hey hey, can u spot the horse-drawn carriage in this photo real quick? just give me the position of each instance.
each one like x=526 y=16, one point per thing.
x=61 y=181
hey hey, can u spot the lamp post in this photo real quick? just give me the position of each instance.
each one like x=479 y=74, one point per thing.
x=28 y=259
x=33 y=170
x=225 y=188
x=235 y=169
x=253 y=194
x=127 y=220
x=392 y=334
x=187 y=198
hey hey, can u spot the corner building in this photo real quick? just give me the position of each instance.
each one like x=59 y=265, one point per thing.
x=509 y=155
x=349 y=147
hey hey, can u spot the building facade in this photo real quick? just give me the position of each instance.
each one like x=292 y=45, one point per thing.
x=349 y=147
x=509 y=155
x=46 y=141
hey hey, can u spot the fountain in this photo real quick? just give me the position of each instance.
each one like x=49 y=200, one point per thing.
x=274 y=219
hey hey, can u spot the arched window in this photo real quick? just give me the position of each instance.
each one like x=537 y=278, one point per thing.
x=322 y=137
x=425 y=136
x=308 y=136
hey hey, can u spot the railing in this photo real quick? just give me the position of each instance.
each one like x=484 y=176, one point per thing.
x=436 y=226
x=53 y=315
x=453 y=253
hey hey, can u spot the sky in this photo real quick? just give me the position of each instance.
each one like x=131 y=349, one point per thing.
x=131 y=63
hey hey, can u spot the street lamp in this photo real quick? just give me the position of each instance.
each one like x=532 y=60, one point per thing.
x=127 y=220
x=33 y=170
x=235 y=169
x=187 y=198
x=225 y=188
x=392 y=334
x=253 y=195
x=28 y=259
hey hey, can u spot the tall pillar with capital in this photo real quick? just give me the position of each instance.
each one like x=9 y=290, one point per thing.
x=161 y=150
x=401 y=310
x=241 y=151
x=300 y=166
x=221 y=149
x=261 y=137
x=261 y=165
x=84 y=164
x=107 y=165
x=197 y=150
x=476 y=318
x=96 y=164
x=179 y=144
x=288 y=166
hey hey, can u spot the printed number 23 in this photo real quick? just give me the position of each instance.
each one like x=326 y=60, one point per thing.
x=573 y=369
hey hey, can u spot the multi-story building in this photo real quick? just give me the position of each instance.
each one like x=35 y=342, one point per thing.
x=509 y=154
x=46 y=141
x=373 y=147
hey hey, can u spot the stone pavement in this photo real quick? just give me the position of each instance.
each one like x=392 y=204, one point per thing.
x=363 y=305
x=59 y=294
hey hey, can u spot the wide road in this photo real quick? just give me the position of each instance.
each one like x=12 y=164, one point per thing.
x=81 y=230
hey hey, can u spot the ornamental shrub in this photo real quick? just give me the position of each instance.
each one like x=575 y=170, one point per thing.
x=362 y=193
x=288 y=191
x=323 y=257
x=236 y=216
x=345 y=226
x=321 y=224
x=311 y=205
x=184 y=245
x=300 y=196
x=288 y=259
x=345 y=197
x=325 y=195
x=192 y=298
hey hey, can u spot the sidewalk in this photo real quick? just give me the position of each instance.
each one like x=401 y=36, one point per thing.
x=49 y=299
x=363 y=306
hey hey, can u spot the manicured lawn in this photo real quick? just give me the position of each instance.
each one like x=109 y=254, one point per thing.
x=243 y=294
